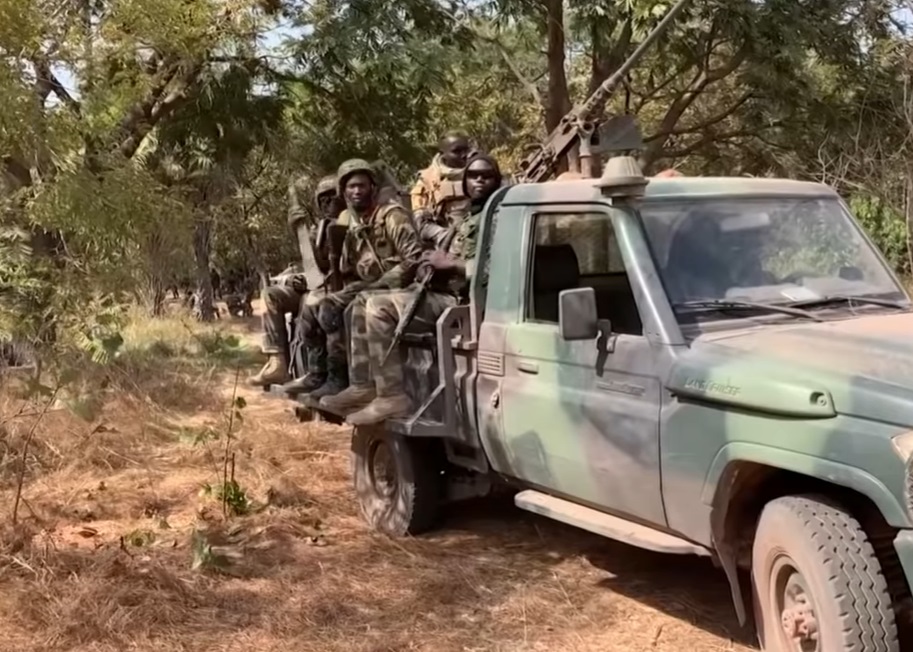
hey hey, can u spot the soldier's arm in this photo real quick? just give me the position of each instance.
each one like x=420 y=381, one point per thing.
x=418 y=196
x=431 y=233
x=402 y=235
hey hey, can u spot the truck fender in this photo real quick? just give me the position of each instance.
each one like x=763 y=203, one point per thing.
x=829 y=471
x=721 y=480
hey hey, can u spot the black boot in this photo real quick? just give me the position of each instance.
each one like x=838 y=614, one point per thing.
x=316 y=373
x=307 y=383
x=337 y=379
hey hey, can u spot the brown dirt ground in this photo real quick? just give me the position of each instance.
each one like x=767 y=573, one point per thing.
x=102 y=557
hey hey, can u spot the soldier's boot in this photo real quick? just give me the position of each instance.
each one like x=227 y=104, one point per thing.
x=381 y=409
x=337 y=380
x=315 y=377
x=307 y=383
x=274 y=372
x=352 y=398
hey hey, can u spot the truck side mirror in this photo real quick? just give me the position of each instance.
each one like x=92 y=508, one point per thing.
x=577 y=317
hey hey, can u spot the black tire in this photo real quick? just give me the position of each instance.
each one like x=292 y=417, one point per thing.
x=807 y=550
x=412 y=504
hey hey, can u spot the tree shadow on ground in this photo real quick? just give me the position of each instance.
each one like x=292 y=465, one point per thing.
x=684 y=587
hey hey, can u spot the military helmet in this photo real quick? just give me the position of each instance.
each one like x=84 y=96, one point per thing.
x=325 y=185
x=354 y=166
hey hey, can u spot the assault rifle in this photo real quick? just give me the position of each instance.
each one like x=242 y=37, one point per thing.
x=582 y=126
x=330 y=238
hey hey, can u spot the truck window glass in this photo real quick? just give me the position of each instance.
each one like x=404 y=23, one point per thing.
x=771 y=250
x=580 y=250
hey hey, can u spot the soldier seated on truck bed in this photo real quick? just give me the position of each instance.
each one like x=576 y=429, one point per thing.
x=451 y=269
x=288 y=295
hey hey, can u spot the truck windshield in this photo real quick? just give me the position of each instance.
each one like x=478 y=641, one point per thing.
x=770 y=250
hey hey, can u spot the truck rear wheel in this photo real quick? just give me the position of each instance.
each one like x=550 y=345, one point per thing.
x=818 y=585
x=398 y=480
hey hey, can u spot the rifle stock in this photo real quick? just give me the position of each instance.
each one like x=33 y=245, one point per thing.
x=579 y=125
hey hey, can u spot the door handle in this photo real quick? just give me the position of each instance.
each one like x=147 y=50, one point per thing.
x=528 y=367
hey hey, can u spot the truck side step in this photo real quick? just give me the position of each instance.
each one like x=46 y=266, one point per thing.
x=612 y=527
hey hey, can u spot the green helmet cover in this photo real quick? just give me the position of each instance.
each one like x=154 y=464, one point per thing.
x=353 y=166
x=325 y=185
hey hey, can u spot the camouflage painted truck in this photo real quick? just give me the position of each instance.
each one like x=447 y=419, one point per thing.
x=703 y=366
x=699 y=366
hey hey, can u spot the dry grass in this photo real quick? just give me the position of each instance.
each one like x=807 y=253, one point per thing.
x=102 y=557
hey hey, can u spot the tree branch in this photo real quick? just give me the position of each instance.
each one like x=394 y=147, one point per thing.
x=709 y=138
x=709 y=122
x=701 y=81
x=46 y=82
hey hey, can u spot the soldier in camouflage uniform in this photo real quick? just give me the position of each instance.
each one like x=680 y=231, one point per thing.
x=438 y=200
x=386 y=397
x=310 y=335
x=380 y=252
x=287 y=296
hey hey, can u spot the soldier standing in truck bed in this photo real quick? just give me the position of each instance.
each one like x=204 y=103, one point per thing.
x=382 y=251
x=287 y=297
x=385 y=396
x=438 y=200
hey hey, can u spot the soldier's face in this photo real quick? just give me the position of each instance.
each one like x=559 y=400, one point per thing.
x=481 y=180
x=359 y=190
x=327 y=204
x=455 y=152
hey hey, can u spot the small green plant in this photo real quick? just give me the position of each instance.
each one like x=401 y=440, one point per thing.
x=231 y=495
x=227 y=490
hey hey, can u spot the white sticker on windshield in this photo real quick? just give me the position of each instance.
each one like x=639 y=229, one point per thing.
x=800 y=293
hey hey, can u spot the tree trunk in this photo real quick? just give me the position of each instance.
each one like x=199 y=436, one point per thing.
x=202 y=237
x=559 y=101
x=908 y=214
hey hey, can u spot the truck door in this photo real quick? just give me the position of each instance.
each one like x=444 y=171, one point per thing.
x=589 y=438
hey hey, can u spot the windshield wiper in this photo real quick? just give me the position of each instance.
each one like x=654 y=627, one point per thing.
x=726 y=304
x=839 y=298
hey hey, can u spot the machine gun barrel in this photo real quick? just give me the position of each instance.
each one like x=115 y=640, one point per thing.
x=541 y=165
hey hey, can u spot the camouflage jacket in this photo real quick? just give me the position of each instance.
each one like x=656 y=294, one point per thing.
x=389 y=229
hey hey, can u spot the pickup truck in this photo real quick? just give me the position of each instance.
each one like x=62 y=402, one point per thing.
x=703 y=366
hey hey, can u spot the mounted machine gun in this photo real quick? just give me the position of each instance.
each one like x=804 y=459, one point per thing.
x=584 y=128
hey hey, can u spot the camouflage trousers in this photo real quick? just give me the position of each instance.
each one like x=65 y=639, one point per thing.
x=278 y=300
x=332 y=318
x=311 y=334
x=382 y=313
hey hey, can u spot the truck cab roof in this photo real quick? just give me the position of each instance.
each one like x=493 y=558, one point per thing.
x=587 y=190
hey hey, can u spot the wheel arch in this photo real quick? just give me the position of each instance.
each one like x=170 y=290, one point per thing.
x=740 y=487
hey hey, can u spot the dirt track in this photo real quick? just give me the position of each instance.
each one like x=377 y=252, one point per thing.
x=307 y=575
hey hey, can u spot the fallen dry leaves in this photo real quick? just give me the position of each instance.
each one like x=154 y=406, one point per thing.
x=103 y=557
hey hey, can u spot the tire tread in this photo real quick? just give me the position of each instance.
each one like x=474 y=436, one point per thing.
x=852 y=570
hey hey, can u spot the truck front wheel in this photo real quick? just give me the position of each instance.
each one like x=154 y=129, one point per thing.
x=398 y=480
x=817 y=582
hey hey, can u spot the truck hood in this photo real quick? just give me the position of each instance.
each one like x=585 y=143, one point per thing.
x=861 y=366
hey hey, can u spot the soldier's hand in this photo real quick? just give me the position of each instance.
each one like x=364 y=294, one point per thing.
x=439 y=260
x=299 y=283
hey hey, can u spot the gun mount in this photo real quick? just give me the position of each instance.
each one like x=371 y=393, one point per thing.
x=584 y=128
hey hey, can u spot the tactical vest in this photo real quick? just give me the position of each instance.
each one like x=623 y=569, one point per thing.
x=448 y=201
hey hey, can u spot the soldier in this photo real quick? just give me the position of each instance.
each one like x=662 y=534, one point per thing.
x=382 y=249
x=438 y=201
x=385 y=397
x=286 y=296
